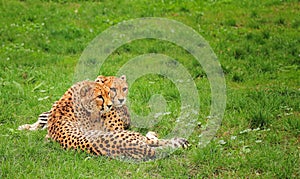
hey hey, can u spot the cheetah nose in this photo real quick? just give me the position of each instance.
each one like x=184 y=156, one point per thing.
x=121 y=100
x=109 y=106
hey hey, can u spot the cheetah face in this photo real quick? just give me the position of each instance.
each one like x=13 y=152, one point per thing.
x=95 y=97
x=118 y=88
x=102 y=98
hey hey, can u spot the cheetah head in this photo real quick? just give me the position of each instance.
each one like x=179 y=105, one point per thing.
x=95 y=97
x=118 y=88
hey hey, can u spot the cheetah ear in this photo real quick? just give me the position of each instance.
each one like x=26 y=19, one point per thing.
x=123 y=77
x=84 y=90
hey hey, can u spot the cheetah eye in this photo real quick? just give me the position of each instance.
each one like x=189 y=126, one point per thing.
x=113 y=89
x=100 y=97
x=124 y=89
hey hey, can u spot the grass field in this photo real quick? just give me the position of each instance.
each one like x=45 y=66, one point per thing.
x=257 y=44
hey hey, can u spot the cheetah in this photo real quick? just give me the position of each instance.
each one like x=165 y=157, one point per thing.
x=117 y=118
x=71 y=123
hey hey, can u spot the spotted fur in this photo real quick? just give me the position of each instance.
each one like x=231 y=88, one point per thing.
x=73 y=118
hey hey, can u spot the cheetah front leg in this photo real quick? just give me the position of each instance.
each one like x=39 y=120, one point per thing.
x=153 y=141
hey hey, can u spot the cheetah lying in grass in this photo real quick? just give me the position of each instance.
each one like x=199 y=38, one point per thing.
x=73 y=118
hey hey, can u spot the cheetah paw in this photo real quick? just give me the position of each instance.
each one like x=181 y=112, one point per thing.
x=152 y=135
x=180 y=142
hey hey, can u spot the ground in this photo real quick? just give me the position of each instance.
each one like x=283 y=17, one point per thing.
x=256 y=42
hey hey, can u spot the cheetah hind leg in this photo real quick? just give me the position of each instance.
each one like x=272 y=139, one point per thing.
x=112 y=145
x=164 y=147
x=139 y=155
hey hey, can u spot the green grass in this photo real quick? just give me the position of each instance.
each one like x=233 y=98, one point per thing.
x=257 y=44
